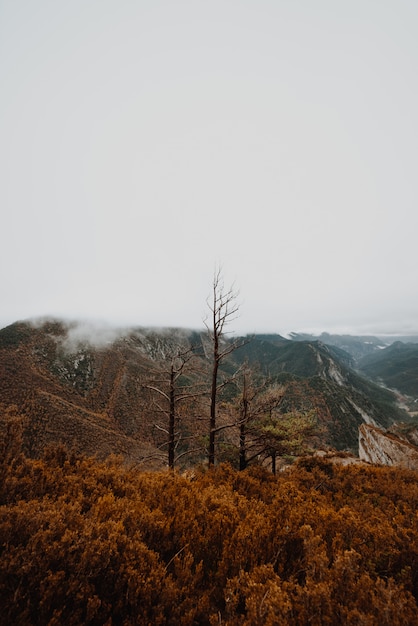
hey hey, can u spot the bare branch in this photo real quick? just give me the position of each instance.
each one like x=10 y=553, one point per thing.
x=160 y=391
x=164 y=430
x=219 y=428
x=189 y=452
x=160 y=408
x=175 y=556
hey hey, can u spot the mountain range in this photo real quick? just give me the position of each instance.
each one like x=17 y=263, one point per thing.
x=94 y=390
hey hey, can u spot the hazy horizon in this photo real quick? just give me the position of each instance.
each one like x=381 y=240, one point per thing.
x=91 y=328
x=144 y=143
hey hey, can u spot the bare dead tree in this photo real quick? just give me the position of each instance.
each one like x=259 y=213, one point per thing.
x=253 y=399
x=223 y=307
x=250 y=407
x=168 y=389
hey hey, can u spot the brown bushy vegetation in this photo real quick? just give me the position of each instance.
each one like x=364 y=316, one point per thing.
x=87 y=542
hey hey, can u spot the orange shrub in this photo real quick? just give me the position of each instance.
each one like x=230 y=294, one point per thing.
x=83 y=542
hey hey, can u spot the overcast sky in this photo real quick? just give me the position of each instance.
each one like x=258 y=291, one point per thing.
x=142 y=142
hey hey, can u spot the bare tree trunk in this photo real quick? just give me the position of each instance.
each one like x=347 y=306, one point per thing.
x=212 y=424
x=223 y=308
x=242 y=449
x=172 y=419
x=273 y=462
x=243 y=426
x=214 y=382
x=171 y=393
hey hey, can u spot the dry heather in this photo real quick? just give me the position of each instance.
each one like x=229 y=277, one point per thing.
x=84 y=542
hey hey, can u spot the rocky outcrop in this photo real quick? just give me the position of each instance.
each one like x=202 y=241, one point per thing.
x=384 y=448
x=406 y=432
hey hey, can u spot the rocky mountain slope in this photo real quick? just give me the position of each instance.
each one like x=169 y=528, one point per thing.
x=385 y=448
x=320 y=376
x=91 y=390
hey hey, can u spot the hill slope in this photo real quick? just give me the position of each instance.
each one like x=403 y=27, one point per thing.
x=319 y=376
x=396 y=366
x=92 y=391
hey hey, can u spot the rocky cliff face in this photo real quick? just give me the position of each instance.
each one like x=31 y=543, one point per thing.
x=384 y=448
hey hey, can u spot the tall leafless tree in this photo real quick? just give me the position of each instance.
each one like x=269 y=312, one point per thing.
x=223 y=306
x=249 y=408
x=171 y=392
x=256 y=396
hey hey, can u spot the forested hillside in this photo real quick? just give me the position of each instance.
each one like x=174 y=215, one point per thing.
x=109 y=392
x=83 y=542
x=396 y=366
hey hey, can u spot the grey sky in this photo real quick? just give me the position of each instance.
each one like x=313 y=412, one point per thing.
x=142 y=142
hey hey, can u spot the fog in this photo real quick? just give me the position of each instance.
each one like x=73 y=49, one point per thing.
x=145 y=143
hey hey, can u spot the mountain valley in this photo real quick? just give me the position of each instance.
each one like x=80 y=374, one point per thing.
x=95 y=392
